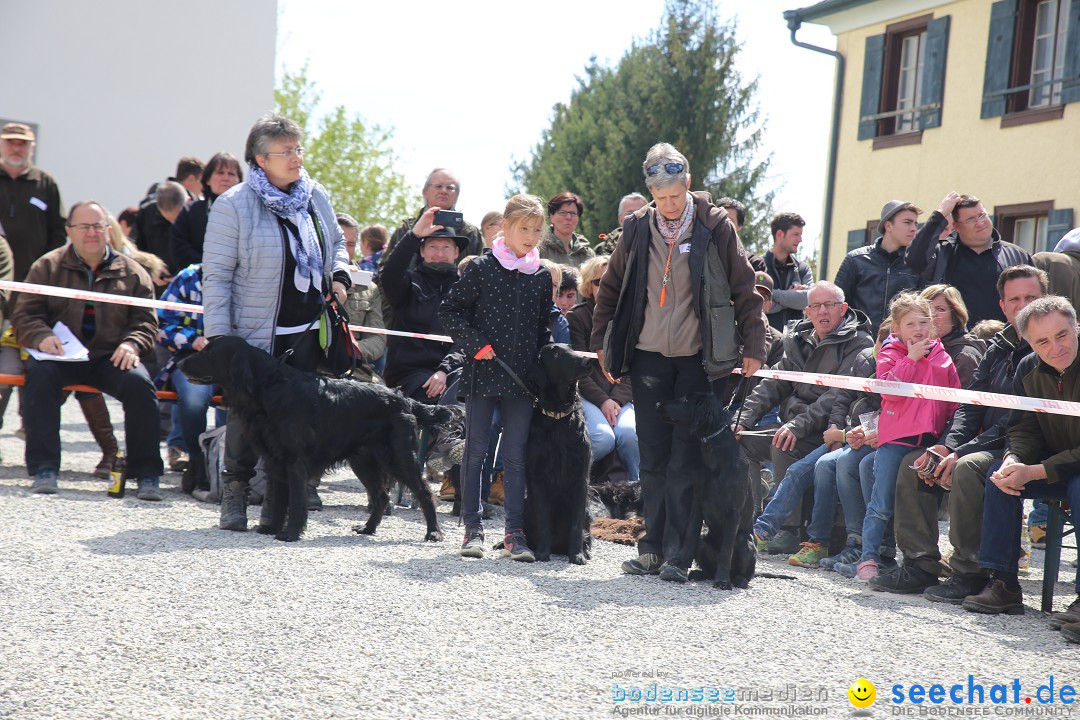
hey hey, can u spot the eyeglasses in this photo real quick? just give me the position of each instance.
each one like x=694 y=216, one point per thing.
x=670 y=168
x=818 y=307
x=972 y=221
x=90 y=227
x=298 y=152
x=567 y=214
x=439 y=187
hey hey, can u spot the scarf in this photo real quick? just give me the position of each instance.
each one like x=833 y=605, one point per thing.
x=294 y=206
x=672 y=230
x=528 y=264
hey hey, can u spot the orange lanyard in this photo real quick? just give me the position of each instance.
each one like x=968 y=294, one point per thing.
x=667 y=272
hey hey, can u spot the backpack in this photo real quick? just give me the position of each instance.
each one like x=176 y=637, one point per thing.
x=213 y=447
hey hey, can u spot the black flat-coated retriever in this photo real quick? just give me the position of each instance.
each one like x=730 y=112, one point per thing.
x=303 y=425
x=721 y=493
x=557 y=459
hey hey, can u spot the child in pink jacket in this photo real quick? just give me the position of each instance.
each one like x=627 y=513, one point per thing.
x=910 y=354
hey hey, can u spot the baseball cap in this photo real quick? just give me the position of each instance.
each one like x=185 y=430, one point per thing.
x=17 y=131
x=764 y=281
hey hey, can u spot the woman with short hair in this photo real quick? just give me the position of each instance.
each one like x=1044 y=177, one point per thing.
x=561 y=244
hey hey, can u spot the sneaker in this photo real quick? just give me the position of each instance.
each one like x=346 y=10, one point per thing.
x=956 y=588
x=994 y=599
x=1037 y=534
x=760 y=542
x=866 y=570
x=811 y=554
x=516 y=548
x=848 y=555
x=847 y=569
x=784 y=542
x=178 y=459
x=45 y=483
x=904 y=580
x=473 y=546
x=314 y=502
x=149 y=489
x=457 y=453
x=646 y=564
x=1070 y=615
x=672 y=573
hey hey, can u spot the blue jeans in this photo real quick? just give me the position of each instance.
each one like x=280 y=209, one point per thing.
x=1039 y=514
x=879 y=512
x=517 y=416
x=189 y=413
x=836 y=475
x=622 y=437
x=1003 y=519
x=789 y=492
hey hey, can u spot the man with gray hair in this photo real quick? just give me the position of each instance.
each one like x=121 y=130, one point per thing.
x=674 y=321
x=1043 y=459
x=153 y=224
x=441 y=189
x=827 y=341
x=629 y=204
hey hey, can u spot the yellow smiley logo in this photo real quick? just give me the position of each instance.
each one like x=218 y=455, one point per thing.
x=862 y=693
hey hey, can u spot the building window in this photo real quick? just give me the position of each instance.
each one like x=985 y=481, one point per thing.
x=1032 y=63
x=1035 y=227
x=904 y=80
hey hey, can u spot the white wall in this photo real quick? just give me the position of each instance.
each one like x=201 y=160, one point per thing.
x=121 y=89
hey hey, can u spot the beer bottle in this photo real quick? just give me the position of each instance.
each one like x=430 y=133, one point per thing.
x=118 y=476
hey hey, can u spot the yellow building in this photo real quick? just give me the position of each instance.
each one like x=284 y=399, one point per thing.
x=975 y=96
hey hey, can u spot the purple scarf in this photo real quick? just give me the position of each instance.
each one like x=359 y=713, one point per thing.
x=528 y=264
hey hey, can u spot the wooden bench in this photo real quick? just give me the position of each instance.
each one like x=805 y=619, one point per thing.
x=1057 y=510
x=162 y=394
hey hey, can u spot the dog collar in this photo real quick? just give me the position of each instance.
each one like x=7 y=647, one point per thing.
x=557 y=415
x=710 y=437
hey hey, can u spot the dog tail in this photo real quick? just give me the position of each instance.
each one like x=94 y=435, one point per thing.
x=433 y=416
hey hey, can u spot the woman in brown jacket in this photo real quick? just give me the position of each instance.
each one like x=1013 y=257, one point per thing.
x=609 y=407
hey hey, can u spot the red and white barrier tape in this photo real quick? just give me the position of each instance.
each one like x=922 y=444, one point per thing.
x=883 y=387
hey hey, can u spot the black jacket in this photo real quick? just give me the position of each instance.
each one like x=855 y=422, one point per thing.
x=415 y=295
x=506 y=309
x=870 y=277
x=187 y=235
x=1032 y=435
x=979 y=428
x=31 y=216
x=792 y=272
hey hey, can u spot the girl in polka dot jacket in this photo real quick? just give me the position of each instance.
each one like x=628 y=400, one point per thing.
x=500 y=308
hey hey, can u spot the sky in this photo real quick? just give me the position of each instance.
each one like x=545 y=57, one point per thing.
x=471 y=86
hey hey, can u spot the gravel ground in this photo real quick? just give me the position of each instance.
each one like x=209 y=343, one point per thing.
x=127 y=609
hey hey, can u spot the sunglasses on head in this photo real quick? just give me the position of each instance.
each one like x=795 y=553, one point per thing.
x=670 y=168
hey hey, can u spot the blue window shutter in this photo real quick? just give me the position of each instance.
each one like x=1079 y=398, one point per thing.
x=856 y=239
x=873 y=69
x=933 y=79
x=1070 y=88
x=1058 y=222
x=999 y=49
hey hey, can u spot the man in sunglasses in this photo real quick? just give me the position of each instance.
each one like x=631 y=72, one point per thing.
x=970 y=257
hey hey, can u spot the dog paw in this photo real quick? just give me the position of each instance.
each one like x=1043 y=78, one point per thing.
x=363 y=530
x=266 y=530
x=722 y=585
x=434 y=536
x=579 y=559
x=740 y=582
x=286 y=536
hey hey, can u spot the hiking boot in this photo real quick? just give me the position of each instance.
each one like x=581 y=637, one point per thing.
x=1071 y=632
x=784 y=542
x=646 y=564
x=761 y=543
x=314 y=502
x=672 y=573
x=848 y=555
x=955 y=589
x=446 y=490
x=473 y=546
x=178 y=460
x=994 y=599
x=811 y=554
x=233 y=505
x=1070 y=615
x=1037 y=535
x=496 y=493
x=149 y=489
x=45 y=483
x=516 y=548
x=904 y=580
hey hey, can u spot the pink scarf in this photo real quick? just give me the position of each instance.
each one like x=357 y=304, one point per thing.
x=671 y=230
x=528 y=264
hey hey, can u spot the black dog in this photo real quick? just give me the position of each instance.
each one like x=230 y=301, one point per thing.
x=302 y=425
x=721 y=492
x=557 y=459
